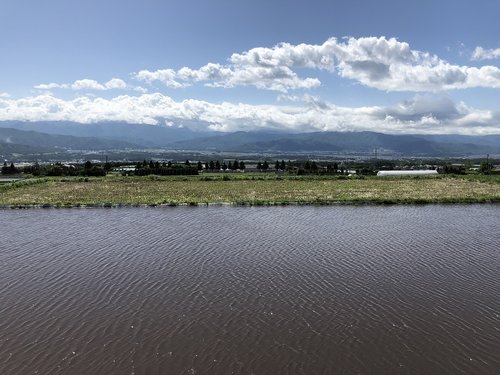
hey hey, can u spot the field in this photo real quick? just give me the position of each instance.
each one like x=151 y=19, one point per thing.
x=251 y=189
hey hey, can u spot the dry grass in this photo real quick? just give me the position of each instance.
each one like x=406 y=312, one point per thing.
x=147 y=190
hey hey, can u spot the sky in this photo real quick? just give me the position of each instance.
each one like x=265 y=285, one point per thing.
x=391 y=66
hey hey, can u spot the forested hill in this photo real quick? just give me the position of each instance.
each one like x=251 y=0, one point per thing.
x=137 y=134
x=12 y=139
x=346 y=142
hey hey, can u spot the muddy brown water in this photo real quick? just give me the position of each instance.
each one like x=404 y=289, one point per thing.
x=251 y=290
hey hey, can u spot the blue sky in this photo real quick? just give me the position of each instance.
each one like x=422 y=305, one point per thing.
x=392 y=66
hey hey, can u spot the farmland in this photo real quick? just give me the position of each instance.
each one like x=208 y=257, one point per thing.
x=249 y=189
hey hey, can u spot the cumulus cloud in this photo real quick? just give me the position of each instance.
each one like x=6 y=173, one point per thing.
x=115 y=83
x=4 y=95
x=421 y=114
x=278 y=78
x=378 y=62
x=480 y=53
x=85 y=84
x=381 y=63
x=439 y=109
x=209 y=72
x=50 y=86
x=167 y=76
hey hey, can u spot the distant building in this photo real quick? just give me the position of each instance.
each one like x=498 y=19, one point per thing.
x=422 y=172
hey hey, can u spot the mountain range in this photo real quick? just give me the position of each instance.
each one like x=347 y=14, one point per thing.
x=30 y=137
x=138 y=135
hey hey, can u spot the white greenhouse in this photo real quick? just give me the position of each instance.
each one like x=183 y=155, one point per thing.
x=422 y=172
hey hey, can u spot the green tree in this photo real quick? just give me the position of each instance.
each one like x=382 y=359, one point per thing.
x=265 y=166
x=36 y=170
x=200 y=166
x=485 y=167
x=217 y=165
x=259 y=166
x=13 y=168
x=212 y=165
x=242 y=165
x=282 y=165
x=277 y=165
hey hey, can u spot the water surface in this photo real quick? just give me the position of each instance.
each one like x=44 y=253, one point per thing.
x=251 y=290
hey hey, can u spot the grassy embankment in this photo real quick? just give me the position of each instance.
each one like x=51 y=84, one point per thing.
x=250 y=189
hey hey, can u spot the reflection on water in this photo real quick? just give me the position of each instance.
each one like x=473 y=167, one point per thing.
x=276 y=290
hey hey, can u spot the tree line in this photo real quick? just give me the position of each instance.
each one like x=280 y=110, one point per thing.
x=145 y=168
x=9 y=169
x=217 y=165
x=299 y=167
x=59 y=169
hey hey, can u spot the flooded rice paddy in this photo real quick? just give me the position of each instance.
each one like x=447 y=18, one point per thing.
x=251 y=290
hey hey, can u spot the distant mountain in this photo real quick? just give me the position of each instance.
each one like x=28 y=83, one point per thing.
x=9 y=149
x=142 y=135
x=43 y=141
x=228 y=141
x=115 y=135
x=345 y=142
x=486 y=140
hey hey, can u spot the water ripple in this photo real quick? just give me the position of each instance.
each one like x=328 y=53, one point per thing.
x=268 y=290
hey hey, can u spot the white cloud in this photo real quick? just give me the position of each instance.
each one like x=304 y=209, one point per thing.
x=278 y=78
x=166 y=76
x=115 y=83
x=50 y=86
x=422 y=106
x=140 y=89
x=85 y=84
x=385 y=64
x=378 y=62
x=4 y=95
x=422 y=114
x=480 y=53
x=209 y=72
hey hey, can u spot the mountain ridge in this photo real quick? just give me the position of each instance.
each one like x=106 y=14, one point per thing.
x=34 y=139
x=125 y=136
x=364 y=141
